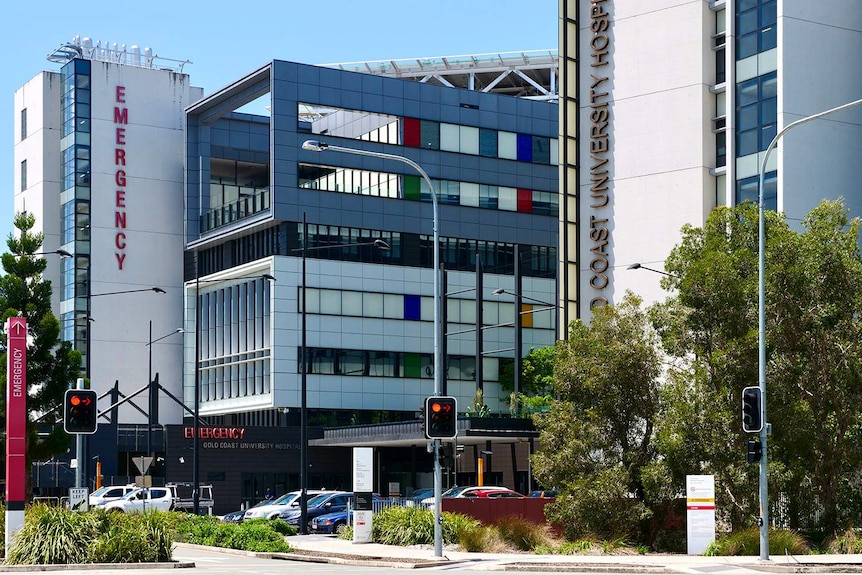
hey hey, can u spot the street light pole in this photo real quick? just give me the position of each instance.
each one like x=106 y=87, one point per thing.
x=316 y=146
x=303 y=411
x=761 y=318
x=153 y=397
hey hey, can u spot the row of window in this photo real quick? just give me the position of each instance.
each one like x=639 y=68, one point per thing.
x=412 y=307
x=75 y=170
x=406 y=249
x=235 y=318
x=756 y=27
x=382 y=184
x=433 y=135
x=76 y=166
x=75 y=97
x=362 y=363
x=746 y=190
x=428 y=134
x=241 y=378
x=756 y=113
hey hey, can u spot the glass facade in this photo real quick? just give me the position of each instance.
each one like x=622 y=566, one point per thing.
x=75 y=170
x=756 y=98
x=234 y=339
x=756 y=22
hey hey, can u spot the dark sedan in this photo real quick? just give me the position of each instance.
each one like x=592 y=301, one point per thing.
x=318 y=505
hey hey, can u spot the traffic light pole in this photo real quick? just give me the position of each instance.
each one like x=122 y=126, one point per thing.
x=79 y=447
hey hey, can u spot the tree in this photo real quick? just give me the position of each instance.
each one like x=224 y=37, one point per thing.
x=52 y=365
x=598 y=436
x=813 y=281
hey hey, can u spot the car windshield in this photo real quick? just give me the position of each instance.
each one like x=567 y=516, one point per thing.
x=284 y=499
x=131 y=494
x=453 y=491
x=100 y=490
x=319 y=499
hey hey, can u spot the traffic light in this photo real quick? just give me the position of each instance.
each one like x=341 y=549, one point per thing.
x=753 y=451
x=441 y=418
x=79 y=411
x=752 y=422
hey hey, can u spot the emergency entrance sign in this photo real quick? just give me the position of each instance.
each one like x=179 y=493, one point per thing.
x=700 y=512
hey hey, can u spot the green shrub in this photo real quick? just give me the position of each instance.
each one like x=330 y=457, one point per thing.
x=524 y=535
x=261 y=535
x=599 y=506
x=53 y=535
x=403 y=526
x=849 y=542
x=747 y=542
x=133 y=539
x=482 y=539
x=413 y=526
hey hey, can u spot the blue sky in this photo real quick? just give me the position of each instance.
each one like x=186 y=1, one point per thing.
x=225 y=40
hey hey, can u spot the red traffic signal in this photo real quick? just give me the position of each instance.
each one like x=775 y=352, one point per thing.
x=79 y=411
x=441 y=418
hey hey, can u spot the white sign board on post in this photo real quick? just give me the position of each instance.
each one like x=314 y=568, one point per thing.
x=700 y=512
x=363 y=487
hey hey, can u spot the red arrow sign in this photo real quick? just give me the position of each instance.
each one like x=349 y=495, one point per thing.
x=17 y=326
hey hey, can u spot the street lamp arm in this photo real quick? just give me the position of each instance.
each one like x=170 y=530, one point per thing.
x=378 y=243
x=157 y=290
x=62 y=253
x=176 y=331
x=761 y=317
x=638 y=266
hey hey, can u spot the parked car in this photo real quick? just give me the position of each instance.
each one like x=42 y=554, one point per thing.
x=463 y=491
x=234 y=516
x=317 y=506
x=143 y=500
x=167 y=498
x=494 y=493
x=106 y=493
x=420 y=494
x=331 y=522
x=544 y=493
x=270 y=509
x=336 y=521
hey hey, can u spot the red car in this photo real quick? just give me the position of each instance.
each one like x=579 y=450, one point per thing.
x=495 y=493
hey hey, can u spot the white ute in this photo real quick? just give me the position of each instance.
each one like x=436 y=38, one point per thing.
x=165 y=498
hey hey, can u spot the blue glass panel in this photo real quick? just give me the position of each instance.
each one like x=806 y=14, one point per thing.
x=412 y=307
x=525 y=148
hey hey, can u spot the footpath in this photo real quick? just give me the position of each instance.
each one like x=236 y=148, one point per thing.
x=321 y=548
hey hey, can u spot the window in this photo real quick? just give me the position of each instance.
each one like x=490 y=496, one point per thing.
x=755 y=27
x=747 y=190
x=756 y=113
x=23 y=175
x=720 y=68
x=24 y=123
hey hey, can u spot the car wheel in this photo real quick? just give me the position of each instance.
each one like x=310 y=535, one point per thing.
x=339 y=528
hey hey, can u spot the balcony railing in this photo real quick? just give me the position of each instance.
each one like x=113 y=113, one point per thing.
x=249 y=204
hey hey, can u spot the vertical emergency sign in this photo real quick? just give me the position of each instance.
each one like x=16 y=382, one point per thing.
x=16 y=424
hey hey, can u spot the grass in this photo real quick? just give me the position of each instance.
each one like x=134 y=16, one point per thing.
x=747 y=542
x=54 y=535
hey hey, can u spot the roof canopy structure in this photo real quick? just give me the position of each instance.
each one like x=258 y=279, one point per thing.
x=530 y=74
